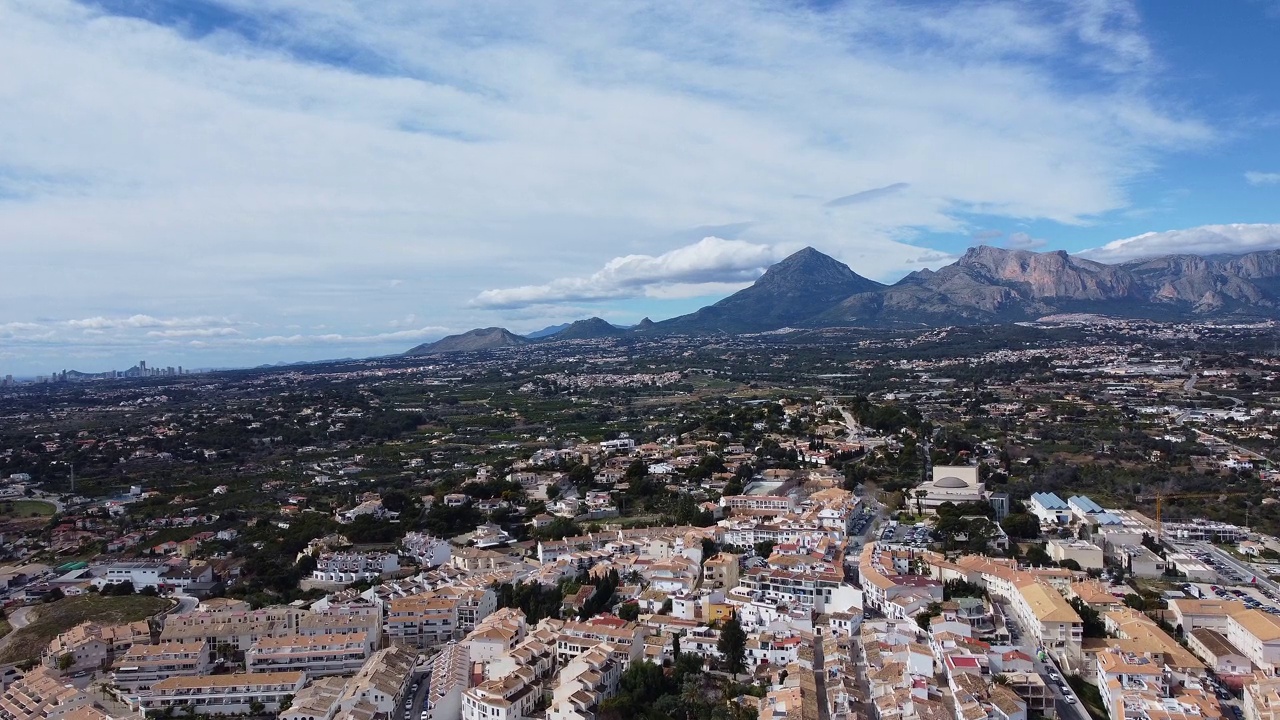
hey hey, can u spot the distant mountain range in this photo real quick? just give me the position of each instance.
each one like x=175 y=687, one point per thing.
x=987 y=285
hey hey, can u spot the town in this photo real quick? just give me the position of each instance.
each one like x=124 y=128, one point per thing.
x=1070 y=518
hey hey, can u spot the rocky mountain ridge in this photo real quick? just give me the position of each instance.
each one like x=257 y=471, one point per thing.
x=986 y=285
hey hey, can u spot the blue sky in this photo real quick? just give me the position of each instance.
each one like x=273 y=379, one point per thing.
x=235 y=182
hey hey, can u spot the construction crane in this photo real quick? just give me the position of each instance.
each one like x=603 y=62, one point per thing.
x=1160 y=497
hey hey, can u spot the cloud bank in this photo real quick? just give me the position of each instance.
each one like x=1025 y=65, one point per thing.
x=711 y=260
x=1205 y=240
x=302 y=163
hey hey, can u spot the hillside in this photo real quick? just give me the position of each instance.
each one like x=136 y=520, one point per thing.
x=791 y=292
x=56 y=618
x=490 y=338
x=589 y=329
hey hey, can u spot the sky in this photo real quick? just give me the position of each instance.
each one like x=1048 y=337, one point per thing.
x=228 y=183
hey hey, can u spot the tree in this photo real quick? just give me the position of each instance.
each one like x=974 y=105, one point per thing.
x=1037 y=556
x=764 y=548
x=1024 y=526
x=926 y=616
x=65 y=662
x=256 y=707
x=1091 y=621
x=1070 y=564
x=733 y=645
x=1135 y=601
x=629 y=612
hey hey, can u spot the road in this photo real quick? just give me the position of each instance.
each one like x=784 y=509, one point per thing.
x=857 y=433
x=21 y=617
x=1243 y=569
x=1062 y=709
x=820 y=679
x=18 y=619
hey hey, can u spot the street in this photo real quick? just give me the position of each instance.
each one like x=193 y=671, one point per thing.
x=1062 y=708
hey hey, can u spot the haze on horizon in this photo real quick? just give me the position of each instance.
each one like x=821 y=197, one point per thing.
x=237 y=182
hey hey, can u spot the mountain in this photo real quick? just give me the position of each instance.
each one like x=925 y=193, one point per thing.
x=986 y=285
x=589 y=329
x=547 y=331
x=490 y=338
x=992 y=284
x=791 y=292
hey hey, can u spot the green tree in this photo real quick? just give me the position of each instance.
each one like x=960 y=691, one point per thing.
x=65 y=662
x=733 y=645
x=1022 y=526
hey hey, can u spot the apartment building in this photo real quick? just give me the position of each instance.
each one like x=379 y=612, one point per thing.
x=450 y=677
x=497 y=634
x=1262 y=699
x=473 y=604
x=422 y=620
x=1121 y=674
x=1191 y=614
x=223 y=694
x=1257 y=635
x=1048 y=615
x=721 y=571
x=585 y=681
x=426 y=550
x=375 y=691
x=141 y=666
x=511 y=697
x=93 y=646
x=42 y=694
x=317 y=655
x=233 y=627
x=344 y=568
x=625 y=639
x=758 y=504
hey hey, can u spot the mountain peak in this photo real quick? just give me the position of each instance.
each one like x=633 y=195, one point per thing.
x=490 y=338
x=808 y=268
x=588 y=329
x=791 y=292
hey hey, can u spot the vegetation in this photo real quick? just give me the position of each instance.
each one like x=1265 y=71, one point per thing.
x=732 y=645
x=26 y=508
x=56 y=618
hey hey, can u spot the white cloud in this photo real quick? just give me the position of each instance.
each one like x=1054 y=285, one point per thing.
x=365 y=160
x=144 y=321
x=1261 y=178
x=1024 y=241
x=711 y=260
x=1205 y=240
x=194 y=332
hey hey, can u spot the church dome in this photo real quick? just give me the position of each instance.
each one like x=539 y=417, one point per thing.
x=951 y=482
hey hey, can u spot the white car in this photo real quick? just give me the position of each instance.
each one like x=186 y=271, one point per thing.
x=1070 y=699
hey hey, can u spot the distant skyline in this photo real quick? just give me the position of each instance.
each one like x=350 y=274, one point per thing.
x=214 y=183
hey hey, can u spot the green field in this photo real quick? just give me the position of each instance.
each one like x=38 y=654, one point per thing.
x=58 y=617
x=25 y=508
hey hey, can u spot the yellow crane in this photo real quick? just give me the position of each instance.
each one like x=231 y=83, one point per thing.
x=1160 y=496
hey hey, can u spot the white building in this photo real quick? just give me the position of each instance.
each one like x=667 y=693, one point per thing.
x=144 y=665
x=426 y=550
x=1086 y=554
x=1050 y=508
x=1256 y=634
x=317 y=655
x=344 y=568
x=956 y=484
x=222 y=694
